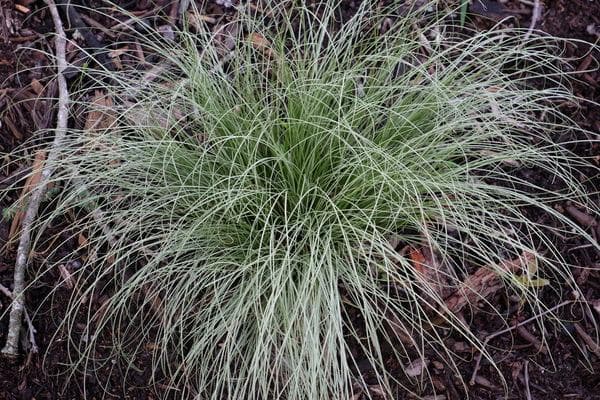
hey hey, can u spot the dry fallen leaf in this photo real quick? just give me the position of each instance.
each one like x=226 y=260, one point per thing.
x=37 y=87
x=115 y=56
x=429 y=270
x=152 y=346
x=197 y=20
x=101 y=115
x=82 y=241
x=483 y=283
x=259 y=42
x=22 y=9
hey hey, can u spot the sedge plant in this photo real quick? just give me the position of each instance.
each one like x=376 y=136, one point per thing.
x=250 y=210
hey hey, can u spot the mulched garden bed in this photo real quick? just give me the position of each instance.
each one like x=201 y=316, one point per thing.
x=532 y=372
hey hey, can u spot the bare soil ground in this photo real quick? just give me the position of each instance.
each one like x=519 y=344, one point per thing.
x=26 y=86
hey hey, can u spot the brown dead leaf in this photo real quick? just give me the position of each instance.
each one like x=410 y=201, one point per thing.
x=197 y=20
x=486 y=383
x=259 y=42
x=82 y=240
x=37 y=87
x=140 y=53
x=101 y=115
x=152 y=346
x=581 y=217
x=429 y=270
x=110 y=259
x=418 y=259
x=22 y=9
x=483 y=283
x=377 y=390
x=155 y=300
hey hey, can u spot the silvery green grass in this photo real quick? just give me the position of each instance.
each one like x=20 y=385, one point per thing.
x=247 y=217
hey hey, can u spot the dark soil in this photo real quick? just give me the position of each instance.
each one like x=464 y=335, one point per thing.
x=569 y=370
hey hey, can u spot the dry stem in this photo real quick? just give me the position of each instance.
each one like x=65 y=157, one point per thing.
x=34 y=347
x=11 y=348
x=536 y=14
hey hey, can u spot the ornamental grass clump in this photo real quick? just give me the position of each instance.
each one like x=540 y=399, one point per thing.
x=256 y=205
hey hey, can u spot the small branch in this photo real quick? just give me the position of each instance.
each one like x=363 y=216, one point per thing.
x=11 y=348
x=525 y=334
x=526 y=376
x=593 y=346
x=31 y=329
x=536 y=14
x=583 y=218
x=5 y=291
x=503 y=331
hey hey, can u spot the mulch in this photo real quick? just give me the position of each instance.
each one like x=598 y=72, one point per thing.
x=26 y=85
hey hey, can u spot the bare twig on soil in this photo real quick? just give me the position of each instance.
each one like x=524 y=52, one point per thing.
x=525 y=334
x=526 y=376
x=5 y=291
x=589 y=341
x=536 y=14
x=11 y=347
x=503 y=331
x=584 y=219
x=34 y=347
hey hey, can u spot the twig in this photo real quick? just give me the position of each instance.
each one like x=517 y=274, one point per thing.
x=581 y=217
x=5 y=291
x=183 y=6
x=525 y=334
x=594 y=347
x=503 y=331
x=92 y=22
x=32 y=331
x=11 y=347
x=526 y=375
x=536 y=14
